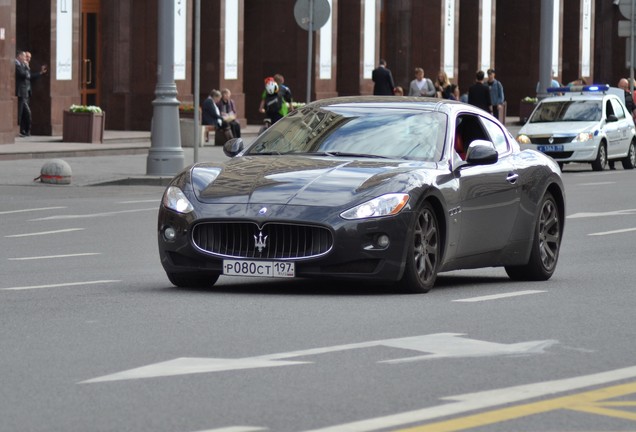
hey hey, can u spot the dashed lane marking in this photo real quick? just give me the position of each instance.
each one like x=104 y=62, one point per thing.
x=44 y=233
x=31 y=210
x=54 y=256
x=59 y=285
x=620 y=231
x=499 y=296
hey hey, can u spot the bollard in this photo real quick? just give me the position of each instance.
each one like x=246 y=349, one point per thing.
x=55 y=171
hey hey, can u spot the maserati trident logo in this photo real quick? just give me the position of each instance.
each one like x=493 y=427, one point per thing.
x=260 y=242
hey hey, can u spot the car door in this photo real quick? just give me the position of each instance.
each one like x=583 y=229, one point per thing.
x=489 y=195
x=612 y=129
x=623 y=127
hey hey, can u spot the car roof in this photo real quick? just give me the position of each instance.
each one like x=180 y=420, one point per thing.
x=405 y=102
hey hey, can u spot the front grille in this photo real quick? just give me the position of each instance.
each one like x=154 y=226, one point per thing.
x=560 y=155
x=555 y=140
x=272 y=241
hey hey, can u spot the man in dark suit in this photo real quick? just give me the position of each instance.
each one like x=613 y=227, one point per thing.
x=479 y=94
x=22 y=91
x=23 y=79
x=382 y=79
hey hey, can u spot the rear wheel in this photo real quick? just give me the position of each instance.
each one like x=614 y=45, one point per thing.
x=193 y=280
x=545 y=246
x=630 y=160
x=601 y=158
x=423 y=255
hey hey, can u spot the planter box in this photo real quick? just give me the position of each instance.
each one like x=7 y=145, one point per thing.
x=525 y=109
x=186 y=127
x=83 y=127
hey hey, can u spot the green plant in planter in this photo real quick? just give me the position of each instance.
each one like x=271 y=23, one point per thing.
x=85 y=109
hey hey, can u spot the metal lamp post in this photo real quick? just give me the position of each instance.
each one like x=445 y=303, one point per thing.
x=165 y=156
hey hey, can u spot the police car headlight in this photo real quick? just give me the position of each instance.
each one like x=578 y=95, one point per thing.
x=385 y=205
x=175 y=199
x=523 y=139
x=584 y=136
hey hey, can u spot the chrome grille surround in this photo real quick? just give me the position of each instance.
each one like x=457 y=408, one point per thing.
x=283 y=241
x=555 y=140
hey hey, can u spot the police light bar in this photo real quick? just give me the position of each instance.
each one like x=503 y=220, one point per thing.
x=580 y=88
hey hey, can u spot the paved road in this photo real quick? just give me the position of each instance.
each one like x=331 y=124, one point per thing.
x=94 y=337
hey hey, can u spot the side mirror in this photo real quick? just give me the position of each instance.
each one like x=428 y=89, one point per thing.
x=612 y=118
x=481 y=152
x=233 y=147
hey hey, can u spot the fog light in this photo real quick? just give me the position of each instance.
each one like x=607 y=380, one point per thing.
x=169 y=234
x=383 y=240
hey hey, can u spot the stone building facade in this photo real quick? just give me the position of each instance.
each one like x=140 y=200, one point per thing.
x=104 y=52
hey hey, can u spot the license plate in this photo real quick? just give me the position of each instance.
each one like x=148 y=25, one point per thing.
x=550 y=148
x=274 y=269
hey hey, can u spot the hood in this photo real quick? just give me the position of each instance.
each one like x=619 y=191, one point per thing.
x=558 y=128
x=297 y=180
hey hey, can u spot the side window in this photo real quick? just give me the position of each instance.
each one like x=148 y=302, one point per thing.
x=618 y=109
x=608 y=108
x=497 y=136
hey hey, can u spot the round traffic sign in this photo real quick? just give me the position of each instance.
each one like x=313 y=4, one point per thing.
x=320 y=13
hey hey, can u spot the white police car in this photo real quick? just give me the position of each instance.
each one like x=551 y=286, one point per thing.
x=583 y=124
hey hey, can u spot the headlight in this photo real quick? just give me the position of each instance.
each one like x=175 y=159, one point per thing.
x=584 y=136
x=523 y=139
x=386 y=205
x=175 y=199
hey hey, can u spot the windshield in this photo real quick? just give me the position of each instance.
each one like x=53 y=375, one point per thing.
x=357 y=132
x=573 y=111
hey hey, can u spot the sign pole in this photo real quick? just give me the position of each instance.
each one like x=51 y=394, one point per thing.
x=631 y=51
x=310 y=40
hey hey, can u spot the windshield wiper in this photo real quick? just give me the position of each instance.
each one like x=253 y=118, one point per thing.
x=346 y=154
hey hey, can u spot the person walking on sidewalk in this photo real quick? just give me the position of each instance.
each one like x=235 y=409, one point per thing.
x=496 y=93
x=383 y=80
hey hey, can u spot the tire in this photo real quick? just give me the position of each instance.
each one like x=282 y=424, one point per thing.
x=193 y=280
x=424 y=252
x=545 y=245
x=630 y=160
x=601 y=158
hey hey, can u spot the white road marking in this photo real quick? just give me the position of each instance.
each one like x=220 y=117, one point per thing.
x=45 y=232
x=54 y=256
x=190 y=365
x=93 y=215
x=481 y=400
x=156 y=200
x=68 y=284
x=602 y=214
x=597 y=183
x=237 y=429
x=440 y=345
x=30 y=210
x=499 y=296
x=620 y=231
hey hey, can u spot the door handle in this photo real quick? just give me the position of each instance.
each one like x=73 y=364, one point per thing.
x=88 y=72
x=512 y=178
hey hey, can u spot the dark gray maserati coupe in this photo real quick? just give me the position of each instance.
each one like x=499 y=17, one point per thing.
x=390 y=189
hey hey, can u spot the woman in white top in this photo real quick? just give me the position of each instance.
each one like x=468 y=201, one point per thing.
x=421 y=86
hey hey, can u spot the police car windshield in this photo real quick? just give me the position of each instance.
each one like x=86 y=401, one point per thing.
x=567 y=111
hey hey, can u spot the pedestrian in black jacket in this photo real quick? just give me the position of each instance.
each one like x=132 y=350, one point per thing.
x=479 y=94
x=383 y=80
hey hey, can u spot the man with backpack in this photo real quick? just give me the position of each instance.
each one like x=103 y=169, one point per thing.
x=272 y=102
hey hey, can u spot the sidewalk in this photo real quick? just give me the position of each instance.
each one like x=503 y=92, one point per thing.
x=120 y=159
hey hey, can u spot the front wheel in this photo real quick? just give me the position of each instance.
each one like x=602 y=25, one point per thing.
x=545 y=246
x=601 y=159
x=423 y=255
x=630 y=160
